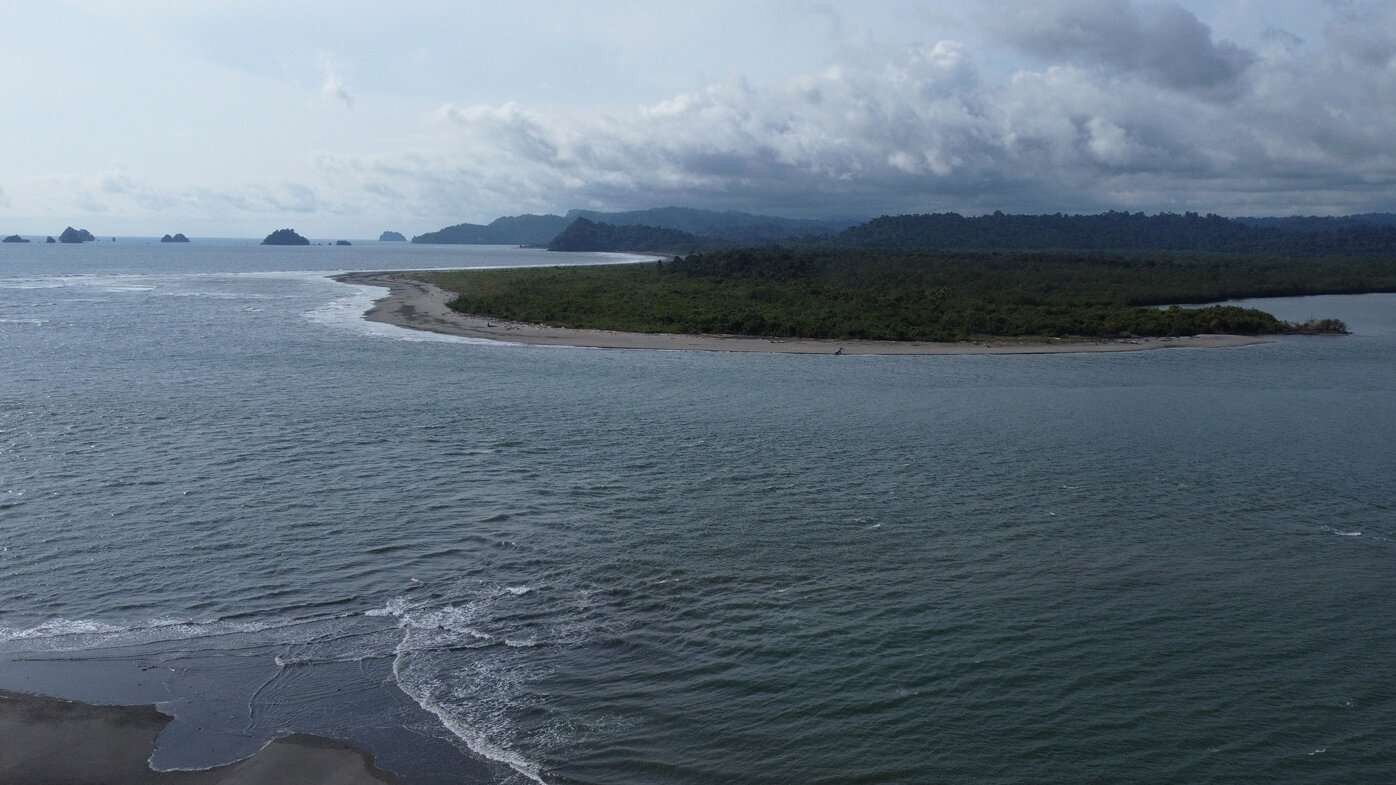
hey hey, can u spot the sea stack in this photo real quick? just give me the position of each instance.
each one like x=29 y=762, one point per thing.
x=71 y=235
x=285 y=237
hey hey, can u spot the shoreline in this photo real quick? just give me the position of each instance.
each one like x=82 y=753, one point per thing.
x=418 y=305
x=52 y=740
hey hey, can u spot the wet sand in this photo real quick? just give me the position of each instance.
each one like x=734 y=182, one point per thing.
x=48 y=741
x=422 y=306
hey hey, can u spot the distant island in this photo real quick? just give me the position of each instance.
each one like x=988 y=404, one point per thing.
x=285 y=237
x=14 y=238
x=342 y=242
x=392 y=237
x=71 y=235
x=178 y=238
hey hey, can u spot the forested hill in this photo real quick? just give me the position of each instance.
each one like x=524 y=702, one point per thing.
x=1118 y=231
x=509 y=230
x=586 y=235
x=729 y=226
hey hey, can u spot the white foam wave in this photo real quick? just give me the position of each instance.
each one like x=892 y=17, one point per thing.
x=347 y=313
x=476 y=740
x=58 y=628
x=430 y=631
x=73 y=635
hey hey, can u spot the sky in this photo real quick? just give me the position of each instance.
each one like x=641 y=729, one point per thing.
x=344 y=118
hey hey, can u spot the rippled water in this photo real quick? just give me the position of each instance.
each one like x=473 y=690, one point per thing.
x=221 y=489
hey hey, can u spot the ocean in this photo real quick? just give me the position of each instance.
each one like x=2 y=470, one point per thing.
x=224 y=492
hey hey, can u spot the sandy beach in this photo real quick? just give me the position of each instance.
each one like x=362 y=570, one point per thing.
x=48 y=741
x=422 y=306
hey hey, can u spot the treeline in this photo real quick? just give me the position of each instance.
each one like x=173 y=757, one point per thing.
x=913 y=295
x=1120 y=231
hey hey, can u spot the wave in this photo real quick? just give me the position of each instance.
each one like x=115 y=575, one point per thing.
x=464 y=663
x=347 y=313
x=476 y=706
x=78 y=635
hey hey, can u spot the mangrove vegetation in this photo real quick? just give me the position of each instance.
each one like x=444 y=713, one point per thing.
x=840 y=293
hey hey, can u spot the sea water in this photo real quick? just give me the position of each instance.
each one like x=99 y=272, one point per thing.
x=224 y=492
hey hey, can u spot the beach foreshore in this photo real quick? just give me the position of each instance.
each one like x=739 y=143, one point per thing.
x=421 y=306
x=47 y=741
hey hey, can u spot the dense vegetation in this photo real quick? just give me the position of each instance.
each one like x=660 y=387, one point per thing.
x=825 y=292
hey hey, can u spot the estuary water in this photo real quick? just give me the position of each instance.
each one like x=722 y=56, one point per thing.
x=223 y=492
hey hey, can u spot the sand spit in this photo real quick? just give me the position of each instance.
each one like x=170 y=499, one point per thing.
x=422 y=306
x=47 y=741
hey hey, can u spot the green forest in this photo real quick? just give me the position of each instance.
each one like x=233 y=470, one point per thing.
x=918 y=295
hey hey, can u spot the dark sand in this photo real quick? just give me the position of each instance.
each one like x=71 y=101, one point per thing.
x=422 y=306
x=48 y=741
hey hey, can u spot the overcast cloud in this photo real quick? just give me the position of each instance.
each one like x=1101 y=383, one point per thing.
x=344 y=119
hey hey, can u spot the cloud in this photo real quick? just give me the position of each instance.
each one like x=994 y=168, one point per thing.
x=1122 y=105
x=333 y=87
x=926 y=129
x=1162 y=42
x=1364 y=33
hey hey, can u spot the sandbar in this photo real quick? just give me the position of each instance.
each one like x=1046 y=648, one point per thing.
x=419 y=305
x=48 y=741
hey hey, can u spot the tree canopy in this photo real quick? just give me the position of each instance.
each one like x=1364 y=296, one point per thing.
x=822 y=292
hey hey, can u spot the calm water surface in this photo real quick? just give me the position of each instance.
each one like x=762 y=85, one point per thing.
x=222 y=491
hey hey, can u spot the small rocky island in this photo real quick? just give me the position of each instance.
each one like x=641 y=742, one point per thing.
x=14 y=238
x=71 y=235
x=392 y=237
x=177 y=238
x=285 y=237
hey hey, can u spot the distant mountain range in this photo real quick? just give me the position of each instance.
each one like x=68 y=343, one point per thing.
x=730 y=227
x=1121 y=231
x=685 y=230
